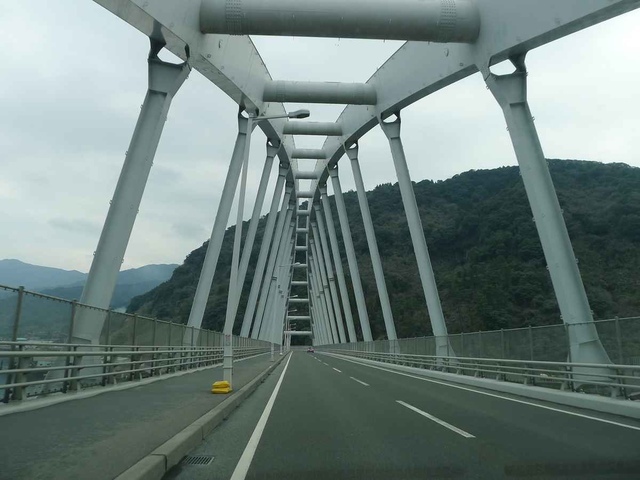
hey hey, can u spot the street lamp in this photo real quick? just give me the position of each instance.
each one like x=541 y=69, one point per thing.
x=234 y=290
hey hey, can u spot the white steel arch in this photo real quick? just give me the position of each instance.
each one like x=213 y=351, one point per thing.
x=506 y=29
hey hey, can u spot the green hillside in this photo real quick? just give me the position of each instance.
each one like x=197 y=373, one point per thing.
x=486 y=255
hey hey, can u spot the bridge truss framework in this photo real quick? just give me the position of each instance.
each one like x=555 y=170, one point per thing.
x=447 y=40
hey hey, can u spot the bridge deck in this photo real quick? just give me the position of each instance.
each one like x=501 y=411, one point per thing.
x=101 y=436
x=336 y=419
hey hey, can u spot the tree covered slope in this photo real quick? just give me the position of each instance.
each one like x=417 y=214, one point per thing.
x=484 y=247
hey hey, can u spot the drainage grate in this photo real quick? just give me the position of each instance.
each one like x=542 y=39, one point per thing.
x=197 y=460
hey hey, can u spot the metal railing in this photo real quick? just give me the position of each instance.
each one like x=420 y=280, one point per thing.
x=607 y=379
x=38 y=357
x=619 y=336
x=532 y=356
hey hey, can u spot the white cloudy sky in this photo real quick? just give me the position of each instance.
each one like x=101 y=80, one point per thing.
x=73 y=77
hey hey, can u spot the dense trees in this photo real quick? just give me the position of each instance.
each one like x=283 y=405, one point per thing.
x=484 y=247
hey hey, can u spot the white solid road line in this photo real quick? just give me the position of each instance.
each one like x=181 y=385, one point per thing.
x=339 y=371
x=437 y=420
x=581 y=415
x=359 y=381
x=242 y=468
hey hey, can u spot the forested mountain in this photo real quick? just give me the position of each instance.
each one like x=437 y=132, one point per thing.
x=484 y=247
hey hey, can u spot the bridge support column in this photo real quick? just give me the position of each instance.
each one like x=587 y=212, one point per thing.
x=510 y=91
x=239 y=269
x=278 y=252
x=378 y=273
x=219 y=227
x=323 y=319
x=427 y=278
x=227 y=354
x=165 y=79
x=337 y=260
x=324 y=289
x=283 y=224
x=323 y=249
x=351 y=256
x=264 y=251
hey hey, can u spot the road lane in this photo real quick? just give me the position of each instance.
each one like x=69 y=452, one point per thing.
x=326 y=426
x=532 y=438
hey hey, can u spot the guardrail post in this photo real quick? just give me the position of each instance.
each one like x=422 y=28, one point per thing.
x=74 y=384
x=70 y=361
x=108 y=342
x=531 y=343
x=619 y=342
x=154 y=349
x=568 y=383
x=14 y=338
x=462 y=344
x=190 y=364
x=18 y=315
x=135 y=329
x=18 y=392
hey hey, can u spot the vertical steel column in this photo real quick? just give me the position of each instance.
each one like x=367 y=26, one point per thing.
x=164 y=81
x=262 y=330
x=234 y=291
x=351 y=255
x=324 y=289
x=321 y=307
x=275 y=259
x=510 y=91
x=438 y=325
x=264 y=251
x=323 y=249
x=259 y=305
x=219 y=227
x=272 y=150
x=283 y=272
x=337 y=260
x=378 y=273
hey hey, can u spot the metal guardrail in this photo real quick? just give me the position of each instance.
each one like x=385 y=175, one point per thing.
x=620 y=381
x=71 y=367
x=131 y=346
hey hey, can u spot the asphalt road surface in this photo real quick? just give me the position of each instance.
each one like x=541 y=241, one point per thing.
x=99 y=437
x=321 y=417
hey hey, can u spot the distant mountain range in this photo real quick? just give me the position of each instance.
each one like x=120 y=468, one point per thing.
x=14 y=273
x=67 y=284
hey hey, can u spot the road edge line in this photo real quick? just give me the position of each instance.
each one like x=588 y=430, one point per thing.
x=170 y=453
x=622 y=408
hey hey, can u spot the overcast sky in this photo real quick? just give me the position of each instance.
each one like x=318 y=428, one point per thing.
x=73 y=77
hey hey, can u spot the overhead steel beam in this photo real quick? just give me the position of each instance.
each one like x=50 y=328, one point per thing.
x=313 y=175
x=328 y=129
x=319 y=92
x=422 y=20
x=308 y=153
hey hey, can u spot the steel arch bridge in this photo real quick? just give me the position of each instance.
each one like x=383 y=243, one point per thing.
x=446 y=41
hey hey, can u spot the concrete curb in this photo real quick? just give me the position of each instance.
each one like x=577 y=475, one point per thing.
x=625 y=408
x=170 y=453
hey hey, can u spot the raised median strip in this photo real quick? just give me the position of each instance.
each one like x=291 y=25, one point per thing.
x=170 y=453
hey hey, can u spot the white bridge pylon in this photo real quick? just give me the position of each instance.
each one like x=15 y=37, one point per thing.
x=447 y=40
